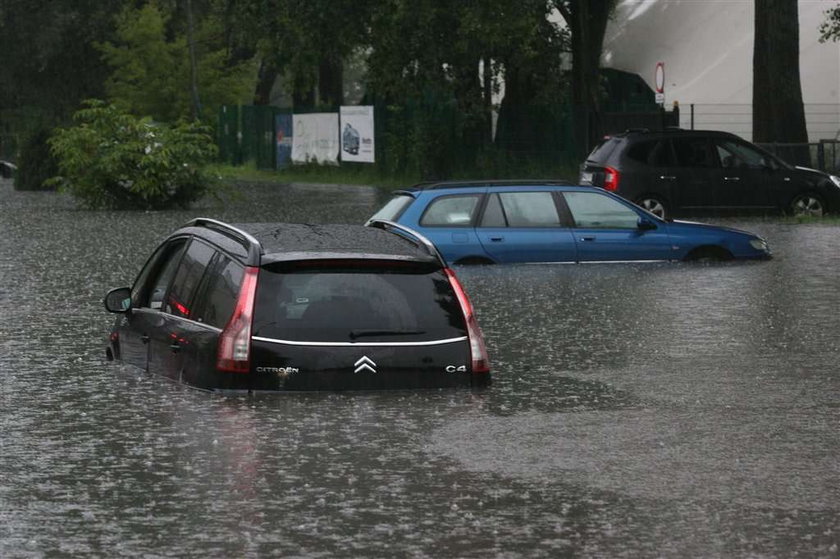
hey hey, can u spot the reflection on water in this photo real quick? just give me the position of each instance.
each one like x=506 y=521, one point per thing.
x=637 y=410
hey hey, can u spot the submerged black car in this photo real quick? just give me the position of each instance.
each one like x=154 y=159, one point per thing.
x=267 y=307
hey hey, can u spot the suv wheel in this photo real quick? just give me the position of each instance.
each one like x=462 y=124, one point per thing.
x=654 y=205
x=807 y=205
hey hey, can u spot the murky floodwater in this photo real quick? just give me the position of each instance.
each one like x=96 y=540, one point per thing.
x=638 y=410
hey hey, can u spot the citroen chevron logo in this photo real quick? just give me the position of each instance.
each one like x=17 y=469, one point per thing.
x=364 y=364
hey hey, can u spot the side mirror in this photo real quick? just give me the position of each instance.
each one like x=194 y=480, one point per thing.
x=118 y=300
x=645 y=224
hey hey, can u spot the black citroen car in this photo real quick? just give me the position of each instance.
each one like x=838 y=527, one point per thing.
x=273 y=307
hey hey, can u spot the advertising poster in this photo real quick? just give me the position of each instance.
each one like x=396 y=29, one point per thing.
x=283 y=128
x=315 y=138
x=357 y=134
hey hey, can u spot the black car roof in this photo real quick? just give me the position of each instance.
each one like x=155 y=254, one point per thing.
x=669 y=132
x=278 y=242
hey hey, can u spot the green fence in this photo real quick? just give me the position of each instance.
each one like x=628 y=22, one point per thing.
x=433 y=139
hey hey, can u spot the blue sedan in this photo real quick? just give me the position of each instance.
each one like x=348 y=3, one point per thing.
x=545 y=221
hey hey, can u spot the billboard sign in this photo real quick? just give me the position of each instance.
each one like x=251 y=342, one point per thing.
x=356 y=125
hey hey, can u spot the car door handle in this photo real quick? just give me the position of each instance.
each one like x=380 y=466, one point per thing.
x=588 y=238
x=667 y=177
x=145 y=339
x=497 y=239
x=731 y=178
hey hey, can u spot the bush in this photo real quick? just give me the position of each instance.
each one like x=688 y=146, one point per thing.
x=111 y=159
x=36 y=164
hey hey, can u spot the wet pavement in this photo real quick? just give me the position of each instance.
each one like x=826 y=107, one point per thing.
x=650 y=410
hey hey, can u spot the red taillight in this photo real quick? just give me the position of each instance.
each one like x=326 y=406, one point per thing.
x=478 y=352
x=610 y=179
x=235 y=340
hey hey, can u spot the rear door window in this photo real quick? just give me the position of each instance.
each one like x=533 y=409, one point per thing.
x=218 y=292
x=693 y=152
x=192 y=268
x=451 y=211
x=356 y=303
x=656 y=153
x=525 y=209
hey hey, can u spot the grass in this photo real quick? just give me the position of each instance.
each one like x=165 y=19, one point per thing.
x=361 y=174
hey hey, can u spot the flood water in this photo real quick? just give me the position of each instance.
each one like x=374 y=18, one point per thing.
x=650 y=410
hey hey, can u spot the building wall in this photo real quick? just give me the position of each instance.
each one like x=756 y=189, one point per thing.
x=707 y=48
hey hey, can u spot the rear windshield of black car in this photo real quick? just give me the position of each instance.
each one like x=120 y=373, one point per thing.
x=356 y=303
x=603 y=150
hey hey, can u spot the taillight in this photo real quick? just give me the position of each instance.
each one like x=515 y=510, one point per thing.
x=234 y=353
x=478 y=351
x=610 y=179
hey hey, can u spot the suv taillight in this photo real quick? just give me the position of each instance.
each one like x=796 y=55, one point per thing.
x=234 y=354
x=610 y=179
x=478 y=351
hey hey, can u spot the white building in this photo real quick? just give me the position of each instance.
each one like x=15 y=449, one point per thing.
x=707 y=50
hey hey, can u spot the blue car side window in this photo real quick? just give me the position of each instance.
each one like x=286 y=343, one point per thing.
x=494 y=215
x=530 y=209
x=450 y=211
x=597 y=211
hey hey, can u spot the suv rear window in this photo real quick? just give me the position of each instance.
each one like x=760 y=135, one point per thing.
x=356 y=303
x=656 y=153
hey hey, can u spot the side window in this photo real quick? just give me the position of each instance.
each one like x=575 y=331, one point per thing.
x=219 y=292
x=733 y=155
x=597 y=211
x=451 y=211
x=151 y=284
x=189 y=273
x=656 y=153
x=693 y=152
x=530 y=209
x=494 y=215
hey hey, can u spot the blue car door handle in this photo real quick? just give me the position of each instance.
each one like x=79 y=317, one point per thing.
x=497 y=239
x=588 y=238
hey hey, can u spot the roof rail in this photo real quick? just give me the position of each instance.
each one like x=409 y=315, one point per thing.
x=251 y=244
x=488 y=182
x=401 y=230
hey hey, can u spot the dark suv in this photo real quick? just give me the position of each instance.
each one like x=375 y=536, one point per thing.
x=298 y=307
x=676 y=171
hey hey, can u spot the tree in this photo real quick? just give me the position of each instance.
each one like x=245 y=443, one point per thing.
x=778 y=112
x=587 y=22
x=152 y=73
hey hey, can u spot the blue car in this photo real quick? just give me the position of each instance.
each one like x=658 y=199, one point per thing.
x=504 y=222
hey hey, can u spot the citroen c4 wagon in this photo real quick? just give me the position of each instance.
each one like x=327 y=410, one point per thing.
x=273 y=307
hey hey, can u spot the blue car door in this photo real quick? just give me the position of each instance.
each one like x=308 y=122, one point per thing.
x=607 y=229
x=525 y=226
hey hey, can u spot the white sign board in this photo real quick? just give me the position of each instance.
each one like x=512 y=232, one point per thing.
x=357 y=134
x=315 y=138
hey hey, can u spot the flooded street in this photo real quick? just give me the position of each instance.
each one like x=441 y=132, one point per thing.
x=641 y=410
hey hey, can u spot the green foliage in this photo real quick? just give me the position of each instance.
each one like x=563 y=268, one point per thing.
x=36 y=164
x=111 y=159
x=151 y=70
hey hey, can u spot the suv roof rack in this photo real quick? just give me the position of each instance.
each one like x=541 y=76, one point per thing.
x=408 y=234
x=490 y=182
x=251 y=244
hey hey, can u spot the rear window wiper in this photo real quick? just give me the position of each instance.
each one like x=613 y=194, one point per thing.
x=354 y=334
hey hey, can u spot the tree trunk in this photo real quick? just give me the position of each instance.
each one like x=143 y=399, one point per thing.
x=266 y=76
x=331 y=81
x=778 y=112
x=587 y=21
